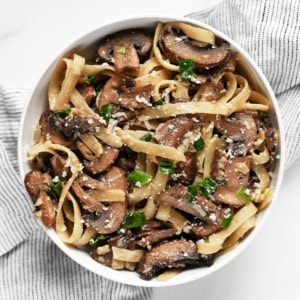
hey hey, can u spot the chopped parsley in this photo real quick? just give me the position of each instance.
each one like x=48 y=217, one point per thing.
x=206 y=186
x=167 y=167
x=158 y=102
x=199 y=144
x=63 y=112
x=186 y=69
x=56 y=186
x=147 y=137
x=94 y=241
x=106 y=112
x=134 y=220
x=90 y=78
x=139 y=178
x=242 y=194
x=192 y=192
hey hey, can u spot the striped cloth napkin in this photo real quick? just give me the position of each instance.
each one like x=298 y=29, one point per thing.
x=30 y=264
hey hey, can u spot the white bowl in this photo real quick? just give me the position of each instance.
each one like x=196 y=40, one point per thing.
x=37 y=102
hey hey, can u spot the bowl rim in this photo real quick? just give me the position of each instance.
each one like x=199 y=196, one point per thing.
x=116 y=275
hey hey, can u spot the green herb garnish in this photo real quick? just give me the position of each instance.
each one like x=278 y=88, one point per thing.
x=147 y=137
x=186 y=69
x=56 y=186
x=63 y=112
x=99 y=87
x=242 y=194
x=139 y=178
x=120 y=49
x=106 y=112
x=94 y=241
x=192 y=192
x=206 y=186
x=158 y=102
x=199 y=144
x=134 y=220
x=90 y=78
x=227 y=220
x=167 y=167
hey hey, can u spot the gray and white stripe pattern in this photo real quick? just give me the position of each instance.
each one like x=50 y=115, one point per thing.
x=31 y=265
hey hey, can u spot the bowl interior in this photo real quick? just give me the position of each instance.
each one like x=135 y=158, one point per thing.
x=37 y=102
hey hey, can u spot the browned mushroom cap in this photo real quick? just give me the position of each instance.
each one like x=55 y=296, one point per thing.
x=103 y=162
x=77 y=125
x=172 y=131
x=186 y=171
x=121 y=90
x=36 y=181
x=87 y=91
x=52 y=127
x=241 y=129
x=125 y=48
x=106 y=217
x=38 y=184
x=175 y=254
x=236 y=175
x=59 y=166
x=177 y=196
x=152 y=237
x=177 y=48
x=47 y=209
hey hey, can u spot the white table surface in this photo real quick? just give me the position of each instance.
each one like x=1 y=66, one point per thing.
x=32 y=32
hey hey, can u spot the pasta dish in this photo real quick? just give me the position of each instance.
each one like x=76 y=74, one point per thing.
x=155 y=154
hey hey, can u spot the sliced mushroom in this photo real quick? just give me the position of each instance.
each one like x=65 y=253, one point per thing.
x=173 y=254
x=59 y=166
x=172 y=131
x=85 y=150
x=52 y=128
x=125 y=48
x=121 y=90
x=186 y=171
x=80 y=125
x=241 y=129
x=106 y=217
x=88 y=92
x=177 y=197
x=38 y=185
x=36 y=181
x=152 y=237
x=236 y=175
x=47 y=209
x=103 y=162
x=177 y=48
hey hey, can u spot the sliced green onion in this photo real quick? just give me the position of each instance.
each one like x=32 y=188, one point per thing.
x=206 y=186
x=186 y=69
x=147 y=137
x=120 y=49
x=139 y=178
x=134 y=220
x=227 y=220
x=56 y=186
x=90 y=78
x=106 y=111
x=63 y=112
x=94 y=241
x=158 y=102
x=242 y=194
x=192 y=192
x=199 y=144
x=167 y=167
